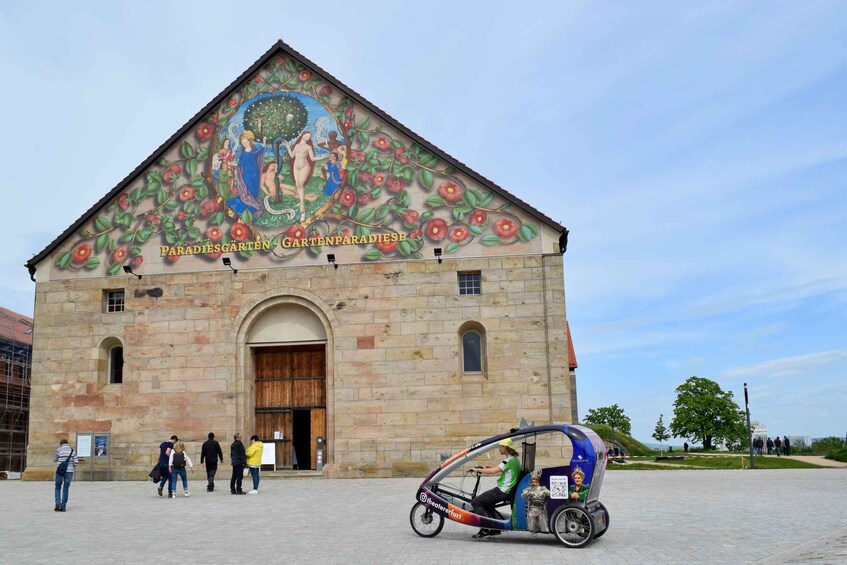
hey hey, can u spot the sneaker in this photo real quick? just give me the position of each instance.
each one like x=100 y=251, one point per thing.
x=232 y=492
x=240 y=492
x=186 y=494
x=170 y=495
x=254 y=491
x=494 y=532
x=483 y=533
x=57 y=509
x=160 y=491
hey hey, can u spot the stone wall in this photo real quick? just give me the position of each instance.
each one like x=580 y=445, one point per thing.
x=396 y=395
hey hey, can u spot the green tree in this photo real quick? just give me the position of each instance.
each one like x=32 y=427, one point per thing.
x=704 y=412
x=612 y=416
x=825 y=445
x=661 y=434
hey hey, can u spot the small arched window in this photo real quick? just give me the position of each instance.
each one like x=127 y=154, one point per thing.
x=116 y=365
x=472 y=347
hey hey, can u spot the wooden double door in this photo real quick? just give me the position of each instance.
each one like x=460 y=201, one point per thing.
x=291 y=398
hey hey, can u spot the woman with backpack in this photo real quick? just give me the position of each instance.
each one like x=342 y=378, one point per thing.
x=178 y=460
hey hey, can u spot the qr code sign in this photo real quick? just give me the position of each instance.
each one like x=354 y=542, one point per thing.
x=559 y=487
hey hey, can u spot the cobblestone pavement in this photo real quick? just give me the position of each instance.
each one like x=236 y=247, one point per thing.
x=680 y=516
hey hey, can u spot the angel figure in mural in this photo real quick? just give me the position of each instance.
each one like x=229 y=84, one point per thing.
x=302 y=154
x=248 y=176
x=222 y=163
x=332 y=174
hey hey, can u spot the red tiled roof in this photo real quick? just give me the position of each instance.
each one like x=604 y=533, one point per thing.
x=571 y=352
x=15 y=327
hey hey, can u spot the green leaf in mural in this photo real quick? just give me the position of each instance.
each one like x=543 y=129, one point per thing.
x=426 y=215
x=194 y=232
x=172 y=204
x=381 y=212
x=218 y=219
x=135 y=252
x=427 y=178
x=475 y=230
x=452 y=248
x=101 y=243
x=485 y=199
x=84 y=233
x=533 y=229
x=152 y=188
x=114 y=268
x=435 y=201
x=396 y=144
x=197 y=183
x=428 y=159
x=372 y=254
x=525 y=234
x=490 y=239
x=404 y=248
x=408 y=174
x=363 y=123
x=364 y=138
x=362 y=230
x=247 y=217
x=459 y=214
x=191 y=167
x=112 y=245
x=403 y=198
x=64 y=260
x=101 y=223
x=92 y=263
x=187 y=150
x=202 y=192
x=136 y=194
x=202 y=153
x=472 y=197
x=155 y=176
x=144 y=235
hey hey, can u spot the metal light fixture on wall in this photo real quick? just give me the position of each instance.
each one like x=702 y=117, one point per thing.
x=330 y=257
x=128 y=270
x=437 y=252
x=228 y=263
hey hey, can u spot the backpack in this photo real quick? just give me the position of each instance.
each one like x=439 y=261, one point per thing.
x=179 y=459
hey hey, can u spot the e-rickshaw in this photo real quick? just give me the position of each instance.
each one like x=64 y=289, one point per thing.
x=564 y=498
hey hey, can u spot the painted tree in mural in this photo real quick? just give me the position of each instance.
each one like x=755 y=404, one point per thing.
x=183 y=200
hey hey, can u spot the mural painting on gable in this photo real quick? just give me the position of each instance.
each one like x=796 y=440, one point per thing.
x=289 y=166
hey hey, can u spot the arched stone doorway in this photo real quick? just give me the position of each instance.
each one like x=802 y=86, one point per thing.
x=287 y=356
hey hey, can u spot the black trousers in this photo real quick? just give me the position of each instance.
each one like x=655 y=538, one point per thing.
x=237 y=477
x=210 y=476
x=484 y=503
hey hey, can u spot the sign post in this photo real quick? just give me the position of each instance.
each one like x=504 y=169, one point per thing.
x=320 y=454
x=749 y=430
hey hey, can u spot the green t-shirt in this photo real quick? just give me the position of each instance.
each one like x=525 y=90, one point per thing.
x=511 y=470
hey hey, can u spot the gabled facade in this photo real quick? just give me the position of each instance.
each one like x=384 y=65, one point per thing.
x=378 y=298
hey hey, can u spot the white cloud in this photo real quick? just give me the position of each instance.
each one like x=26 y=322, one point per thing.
x=804 y=365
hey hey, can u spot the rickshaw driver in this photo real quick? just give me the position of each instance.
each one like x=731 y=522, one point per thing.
x=509 y=470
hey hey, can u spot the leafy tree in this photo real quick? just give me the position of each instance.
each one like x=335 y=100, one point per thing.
x=703 y=412
x=661 y=434
x=612 y=416
x=825 y=445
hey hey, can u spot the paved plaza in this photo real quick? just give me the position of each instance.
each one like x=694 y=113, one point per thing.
x=677 y=516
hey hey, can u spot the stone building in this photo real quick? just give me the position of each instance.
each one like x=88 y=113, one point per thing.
x=294 y=262
x=15 y=359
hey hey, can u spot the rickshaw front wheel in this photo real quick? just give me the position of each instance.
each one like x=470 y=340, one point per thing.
x=573 y=526
x=425 y=522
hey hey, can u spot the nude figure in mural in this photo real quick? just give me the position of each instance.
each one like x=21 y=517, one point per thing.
x=302 y=166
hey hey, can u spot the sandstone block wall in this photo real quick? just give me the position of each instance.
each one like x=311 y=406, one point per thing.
x=397 y=398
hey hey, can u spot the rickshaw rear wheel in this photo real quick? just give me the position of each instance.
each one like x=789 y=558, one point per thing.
x=605 y=521
x=572 y=525
x=425 y=522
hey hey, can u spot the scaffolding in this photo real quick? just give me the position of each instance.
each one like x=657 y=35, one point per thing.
x=15 y=379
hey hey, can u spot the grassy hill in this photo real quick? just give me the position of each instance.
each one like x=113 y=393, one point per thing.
x=631 y=445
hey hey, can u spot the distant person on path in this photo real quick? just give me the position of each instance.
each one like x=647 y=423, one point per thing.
x=786 y=445
x=254 y=461
x=165 y=449
x=67 y=461
x=777 y=445
x=210 y=453
x=177 y=462
x=759 y=445
x=770 y=446
x=237 y=458
x=685 y=446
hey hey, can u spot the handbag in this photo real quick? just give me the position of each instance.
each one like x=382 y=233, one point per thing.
x=155 y=474
x=63 y=466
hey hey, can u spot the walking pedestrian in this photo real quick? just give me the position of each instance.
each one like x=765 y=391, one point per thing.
x=786 y=445
x=209 y=455
x=67 y=461
x=685 y=446
x=770 y=446
x=165 y=449
x=177 y=462
x=777 y=444
x=237 y=458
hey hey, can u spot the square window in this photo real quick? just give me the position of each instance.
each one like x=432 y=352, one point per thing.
x=115 y=300
x=470 y=283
